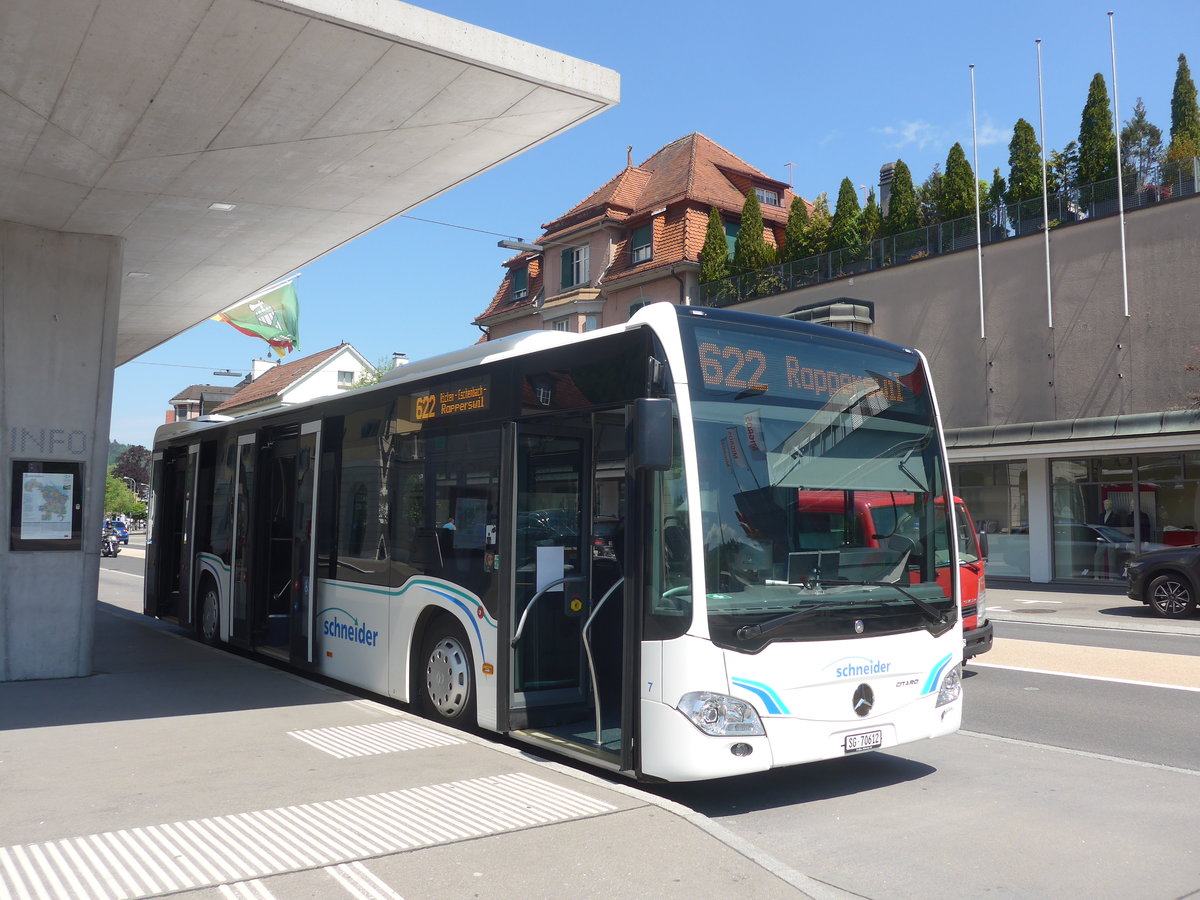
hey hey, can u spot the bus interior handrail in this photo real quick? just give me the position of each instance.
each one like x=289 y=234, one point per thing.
x=587 y=649
x=534 y=599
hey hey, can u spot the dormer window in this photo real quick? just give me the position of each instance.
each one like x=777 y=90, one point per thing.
x=767 y=196
x=640 y=245
x=520 y=284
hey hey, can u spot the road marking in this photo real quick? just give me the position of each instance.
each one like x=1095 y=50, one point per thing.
x=345 y=741
x=1138 y=667
x=361 y=882
x=1070 y=751
x=238 y=849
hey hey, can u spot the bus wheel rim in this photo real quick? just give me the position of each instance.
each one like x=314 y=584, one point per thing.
x=447 y=677
x=208 y=615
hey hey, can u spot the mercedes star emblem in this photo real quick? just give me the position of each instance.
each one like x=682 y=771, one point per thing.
x=864 y=699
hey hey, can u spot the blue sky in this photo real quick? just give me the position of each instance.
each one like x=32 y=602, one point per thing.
x=834 y=89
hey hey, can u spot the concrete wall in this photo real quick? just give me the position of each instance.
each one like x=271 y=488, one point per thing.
x=1093 y=361
x=59 y=298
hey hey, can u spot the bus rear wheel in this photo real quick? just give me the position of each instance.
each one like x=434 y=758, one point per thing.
x=447 y=679
x=210 y=613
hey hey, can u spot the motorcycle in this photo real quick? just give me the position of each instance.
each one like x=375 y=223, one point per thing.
x=110 y=544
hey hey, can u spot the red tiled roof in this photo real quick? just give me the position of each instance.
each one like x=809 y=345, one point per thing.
x=686 y=178
x=274 y=382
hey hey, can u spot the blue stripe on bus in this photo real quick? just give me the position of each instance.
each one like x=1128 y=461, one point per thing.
x=935 y=677
x=771 y=700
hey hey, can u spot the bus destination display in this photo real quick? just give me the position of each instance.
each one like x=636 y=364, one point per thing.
x=736 y=361
x=455 y=399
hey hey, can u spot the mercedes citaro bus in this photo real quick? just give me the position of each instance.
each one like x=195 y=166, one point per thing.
x=433 y=538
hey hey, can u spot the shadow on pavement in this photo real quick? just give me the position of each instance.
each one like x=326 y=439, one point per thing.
x=146 y=669
x=795 y=784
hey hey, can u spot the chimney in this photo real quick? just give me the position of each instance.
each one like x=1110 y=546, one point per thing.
x=260 y=367
x=885 y=186
x=399 y=359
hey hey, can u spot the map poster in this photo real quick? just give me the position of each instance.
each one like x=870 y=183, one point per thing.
x=46 y=506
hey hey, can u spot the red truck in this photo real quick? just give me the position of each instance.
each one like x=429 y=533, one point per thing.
x=880 y=513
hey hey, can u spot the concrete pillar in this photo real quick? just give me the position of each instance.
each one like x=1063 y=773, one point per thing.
x=59 y=299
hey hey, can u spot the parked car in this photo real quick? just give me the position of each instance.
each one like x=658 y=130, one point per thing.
x=120 y=528
x=1165 y=580
x=1098 y=551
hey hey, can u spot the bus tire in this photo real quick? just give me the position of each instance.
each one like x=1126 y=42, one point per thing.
x=208 y=626
x=446 y=673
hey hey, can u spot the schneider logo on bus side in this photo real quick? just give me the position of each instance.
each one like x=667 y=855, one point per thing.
x=353 y=631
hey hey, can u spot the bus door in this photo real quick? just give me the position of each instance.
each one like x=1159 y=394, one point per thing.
x=551 y=691
x=169 y=564
x=282 y=607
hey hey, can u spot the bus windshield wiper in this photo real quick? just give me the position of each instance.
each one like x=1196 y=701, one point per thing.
x=746 y=632
x=934 y=614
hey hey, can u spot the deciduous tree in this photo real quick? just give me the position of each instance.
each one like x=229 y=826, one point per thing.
x=1141 y=144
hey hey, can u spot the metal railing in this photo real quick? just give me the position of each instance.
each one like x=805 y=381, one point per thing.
x=1172 y=181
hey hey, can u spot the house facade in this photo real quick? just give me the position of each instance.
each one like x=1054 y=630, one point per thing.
x=635 y=240
x=276 y=386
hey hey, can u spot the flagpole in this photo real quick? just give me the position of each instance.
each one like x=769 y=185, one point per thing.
x=978 y=230
x=1045 y=198
x=1112 y=46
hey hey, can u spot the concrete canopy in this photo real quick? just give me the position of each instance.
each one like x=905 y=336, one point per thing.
x=316 y=120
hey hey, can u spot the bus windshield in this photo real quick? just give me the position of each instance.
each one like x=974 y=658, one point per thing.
x=822 y=488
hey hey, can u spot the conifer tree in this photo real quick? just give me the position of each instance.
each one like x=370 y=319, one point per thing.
x=714 y=255
x=793 y=234
x=902 y=202
x=1097 y=144
x=929 y=197
x=1141 y=144
x=1024 y=164
x=1062 y=168
x=958 y=186
x=816 y=237
x=845 y=231
x=996 y=194
x=751 y=250
x=1185 y=115
x=872 y=219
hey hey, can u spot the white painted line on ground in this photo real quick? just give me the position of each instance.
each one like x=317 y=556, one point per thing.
x=344 y=741
x=238 y=849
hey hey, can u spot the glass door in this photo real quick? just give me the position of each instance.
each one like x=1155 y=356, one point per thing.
x=550 y=576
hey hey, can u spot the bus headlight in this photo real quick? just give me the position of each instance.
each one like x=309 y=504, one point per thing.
x=719 y=715
x=951 y=688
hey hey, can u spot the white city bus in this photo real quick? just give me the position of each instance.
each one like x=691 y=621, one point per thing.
x=593 y=542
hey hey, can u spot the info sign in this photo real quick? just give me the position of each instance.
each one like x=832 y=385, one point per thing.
x=46 y=511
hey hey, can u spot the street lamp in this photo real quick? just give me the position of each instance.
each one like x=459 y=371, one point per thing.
x=521 y=245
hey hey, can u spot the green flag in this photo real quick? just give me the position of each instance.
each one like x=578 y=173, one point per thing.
x=273 y=316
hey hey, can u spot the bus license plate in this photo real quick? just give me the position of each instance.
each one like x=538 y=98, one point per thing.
x=866 y=740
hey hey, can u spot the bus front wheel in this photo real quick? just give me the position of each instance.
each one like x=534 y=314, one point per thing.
x=447 y=680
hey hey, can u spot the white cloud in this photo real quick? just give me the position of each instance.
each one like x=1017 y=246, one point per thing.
x=917 y=134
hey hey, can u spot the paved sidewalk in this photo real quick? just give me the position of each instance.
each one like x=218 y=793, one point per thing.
x=181 y=769
x=1104 y=606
